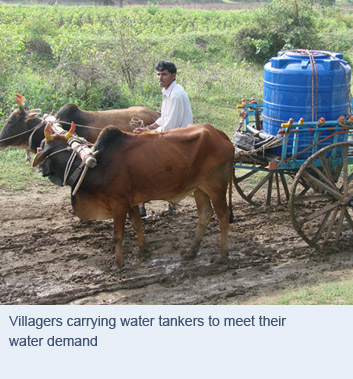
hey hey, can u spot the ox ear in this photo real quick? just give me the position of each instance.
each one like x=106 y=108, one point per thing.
x=38 y=159
x=31 y=114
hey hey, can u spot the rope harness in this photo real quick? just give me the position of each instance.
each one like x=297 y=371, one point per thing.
x=79 y=173
x=136 y=122
x=68 y=165
x=82 y=126
x=78 y=146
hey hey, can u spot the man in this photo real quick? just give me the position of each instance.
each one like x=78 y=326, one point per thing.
x=176 y=109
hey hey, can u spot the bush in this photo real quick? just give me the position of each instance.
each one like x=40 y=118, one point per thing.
x=281 y=25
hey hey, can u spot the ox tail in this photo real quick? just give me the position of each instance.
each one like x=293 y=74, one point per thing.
x=231 y=215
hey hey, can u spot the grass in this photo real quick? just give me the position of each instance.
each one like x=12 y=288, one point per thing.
x=15 y=173
x=334 y=293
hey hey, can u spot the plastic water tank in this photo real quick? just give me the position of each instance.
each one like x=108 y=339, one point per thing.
x=292 y=89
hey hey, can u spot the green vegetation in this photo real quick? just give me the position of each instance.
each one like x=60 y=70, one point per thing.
x=103 y=57
x=335 y=293
x=14 y=173
x=118 y=2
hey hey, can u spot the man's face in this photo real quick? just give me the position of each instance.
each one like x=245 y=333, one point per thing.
x=165 y=78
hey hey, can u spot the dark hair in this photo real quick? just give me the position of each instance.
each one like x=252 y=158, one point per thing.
x=165 y=65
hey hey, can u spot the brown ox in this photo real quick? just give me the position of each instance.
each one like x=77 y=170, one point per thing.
x=136 y=168
x=95 y=121
x=24 y=129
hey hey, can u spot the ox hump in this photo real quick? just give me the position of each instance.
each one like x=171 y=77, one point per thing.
x=110 y=136
x=66 y=110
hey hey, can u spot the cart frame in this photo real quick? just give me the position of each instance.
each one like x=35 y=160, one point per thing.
x=317 y=156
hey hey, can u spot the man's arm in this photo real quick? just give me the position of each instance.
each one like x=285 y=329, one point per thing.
x=174 y=117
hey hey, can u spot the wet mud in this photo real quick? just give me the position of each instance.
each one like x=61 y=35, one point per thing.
x=48 y=256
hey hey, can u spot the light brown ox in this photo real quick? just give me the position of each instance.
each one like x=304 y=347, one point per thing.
x=136 y=168
x=95 y=121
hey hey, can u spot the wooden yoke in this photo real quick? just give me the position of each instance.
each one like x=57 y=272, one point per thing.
x=79 y=144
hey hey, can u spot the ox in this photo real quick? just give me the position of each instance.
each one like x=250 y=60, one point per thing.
x=24 y=129
x=136 y=168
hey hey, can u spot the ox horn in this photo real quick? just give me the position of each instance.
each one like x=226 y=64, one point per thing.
x=47 y=134
x=71 y=131
x=21 y=101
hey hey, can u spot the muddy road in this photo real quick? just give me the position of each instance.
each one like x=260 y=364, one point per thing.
x=48 y=256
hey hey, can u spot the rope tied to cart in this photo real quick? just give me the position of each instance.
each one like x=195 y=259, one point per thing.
x=269 y=145
x=314 y=86
x=314 y=78
x=311 y=54
x=268 y=141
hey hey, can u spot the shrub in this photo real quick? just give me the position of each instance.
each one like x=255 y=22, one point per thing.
x=282 y=25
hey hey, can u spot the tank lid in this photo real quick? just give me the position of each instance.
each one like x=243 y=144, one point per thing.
x=304 y=54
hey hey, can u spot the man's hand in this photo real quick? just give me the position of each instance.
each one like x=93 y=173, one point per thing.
x=140 y=130
x=146 y=128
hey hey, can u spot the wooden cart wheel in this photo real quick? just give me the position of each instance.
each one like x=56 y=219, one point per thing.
x=259 y=186
x=321 y=201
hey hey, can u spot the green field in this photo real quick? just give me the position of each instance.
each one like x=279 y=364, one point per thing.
x=104 y=57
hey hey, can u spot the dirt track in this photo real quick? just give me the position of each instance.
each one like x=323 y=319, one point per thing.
x=48 y=256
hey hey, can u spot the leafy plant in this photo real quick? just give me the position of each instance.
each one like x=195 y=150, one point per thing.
x=282 y=24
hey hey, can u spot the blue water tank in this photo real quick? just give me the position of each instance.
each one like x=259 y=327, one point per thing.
x=292 y=89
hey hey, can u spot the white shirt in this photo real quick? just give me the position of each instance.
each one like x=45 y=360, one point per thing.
x=176 y=109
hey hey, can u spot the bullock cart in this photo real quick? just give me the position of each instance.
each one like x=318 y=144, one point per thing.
x=308 y=165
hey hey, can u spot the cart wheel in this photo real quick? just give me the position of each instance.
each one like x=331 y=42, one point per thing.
x=321 y=201
x=259 y=186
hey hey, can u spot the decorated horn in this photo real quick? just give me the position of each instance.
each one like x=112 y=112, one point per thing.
x=21 y=101
x=47 y=134
x=71 y=131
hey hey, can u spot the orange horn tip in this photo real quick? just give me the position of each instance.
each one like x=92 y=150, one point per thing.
x=47 y=133
x=71 y=131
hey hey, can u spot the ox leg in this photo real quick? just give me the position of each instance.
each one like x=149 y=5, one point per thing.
x=222 y=211
x=136 y=223
x=119 y=224
x=205 y=212
x=28 y=155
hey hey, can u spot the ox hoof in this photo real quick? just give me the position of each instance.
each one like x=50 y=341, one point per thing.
x=170 y=210
x=142 y=211
x=116 y=269
x=117 y=266
x=222 y=260
x=188 y=255
x=144 y=255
